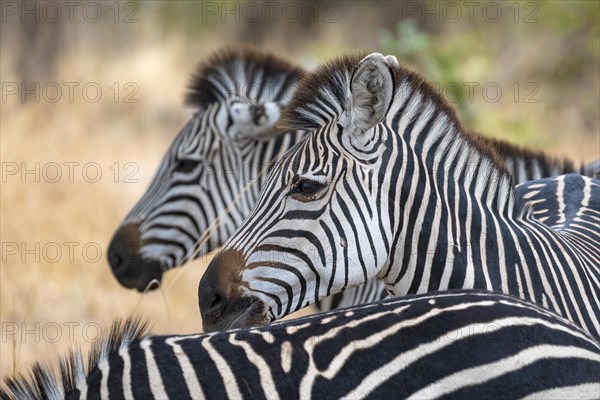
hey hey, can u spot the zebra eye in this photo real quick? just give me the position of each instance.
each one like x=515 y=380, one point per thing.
x=307 y=187
x=186 y=166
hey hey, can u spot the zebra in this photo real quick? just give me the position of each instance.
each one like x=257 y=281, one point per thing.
x=388 y=184
x=462 y=344
x=187 y=195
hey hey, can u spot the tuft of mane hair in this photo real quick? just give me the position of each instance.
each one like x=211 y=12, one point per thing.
x=548 y=164
x=41 y=382
x=242 y=72
x=328 y=87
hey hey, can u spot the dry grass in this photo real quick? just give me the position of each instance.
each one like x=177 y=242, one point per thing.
x=56 y=294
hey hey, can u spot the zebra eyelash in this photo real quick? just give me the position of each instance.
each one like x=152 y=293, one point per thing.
x=304 y=189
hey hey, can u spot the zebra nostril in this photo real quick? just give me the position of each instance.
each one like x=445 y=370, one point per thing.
x=217 y=305
x=128 y=266
x=216 y=301
x=213 y=302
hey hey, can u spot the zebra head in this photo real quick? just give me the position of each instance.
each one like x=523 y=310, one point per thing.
x=307 y=237
x=238 y=96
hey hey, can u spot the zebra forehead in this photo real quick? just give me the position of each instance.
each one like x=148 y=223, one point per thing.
x=323 y=90
x=242 y=73
x=305 y=154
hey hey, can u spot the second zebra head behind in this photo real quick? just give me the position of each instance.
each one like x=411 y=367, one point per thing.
x=238 y=95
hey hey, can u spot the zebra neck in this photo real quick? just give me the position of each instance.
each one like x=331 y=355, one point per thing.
x=454 y=225
x=441 y=150
x=455 y=201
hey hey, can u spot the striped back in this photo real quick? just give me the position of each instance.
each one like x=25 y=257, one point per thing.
x=527 y=165
x=454 y=344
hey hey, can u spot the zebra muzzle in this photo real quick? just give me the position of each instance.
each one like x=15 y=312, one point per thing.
x=223 y=304
x=128 y=266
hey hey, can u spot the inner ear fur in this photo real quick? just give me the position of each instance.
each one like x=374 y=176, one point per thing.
x=371 y=92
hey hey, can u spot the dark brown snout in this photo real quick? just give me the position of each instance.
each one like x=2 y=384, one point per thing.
x=128 y=266
x=223 y=304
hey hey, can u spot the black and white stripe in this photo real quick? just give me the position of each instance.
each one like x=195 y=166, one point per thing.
x=527 y=165
x=445 y=345
x=389 y=185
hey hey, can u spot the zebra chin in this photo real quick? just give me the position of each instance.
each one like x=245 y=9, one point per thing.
x=143 y=275
x=244 y=312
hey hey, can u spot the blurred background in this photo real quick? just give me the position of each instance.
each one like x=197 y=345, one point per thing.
x=92 y=97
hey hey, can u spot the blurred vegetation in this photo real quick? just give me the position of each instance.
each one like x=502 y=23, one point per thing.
x=557 y=50
x=556 y=46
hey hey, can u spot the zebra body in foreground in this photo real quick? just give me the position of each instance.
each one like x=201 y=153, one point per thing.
x=389 y=185
x=200 y=175
x=442 y=345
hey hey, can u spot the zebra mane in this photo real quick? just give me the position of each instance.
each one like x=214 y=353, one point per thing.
x=242 y=72
x=41 y=381
x=547 y=163
x=328 y=87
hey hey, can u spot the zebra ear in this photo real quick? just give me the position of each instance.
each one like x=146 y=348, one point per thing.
x=371 y=92
x=253 y=120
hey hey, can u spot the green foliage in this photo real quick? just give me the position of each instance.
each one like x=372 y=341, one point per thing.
x=441 y=64
x=552 y=45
